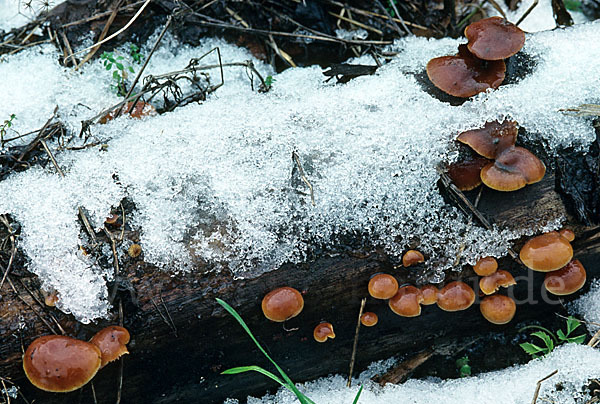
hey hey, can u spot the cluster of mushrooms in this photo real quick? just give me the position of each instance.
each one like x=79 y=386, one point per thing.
x=479 y=64
x=60 y=364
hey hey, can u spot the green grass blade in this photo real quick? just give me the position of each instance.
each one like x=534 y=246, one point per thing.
x=357 y=395
x=244 y=369
x=303 y=399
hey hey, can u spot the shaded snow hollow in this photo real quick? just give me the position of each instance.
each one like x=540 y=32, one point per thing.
x=369 y=148
x=576 y=364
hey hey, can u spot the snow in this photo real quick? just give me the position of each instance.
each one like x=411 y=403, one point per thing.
x=576 y=364
x=541 y=17
x=212 y=182
x=588 y=306
x=14 y=13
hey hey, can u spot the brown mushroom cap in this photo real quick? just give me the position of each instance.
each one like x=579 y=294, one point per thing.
x=60 y=364
x=383 y=286
x=430 y=294
x=498 y=309
x=412 y=257
x=465 y=174
x=568 y=234
x=282 y=304
x=569 y=279
x=455 y=296
x=492 y=139
x=494 y=38
x=485 y=266
x=547 y=252
x=140 y=110
x=464 y=75
x=491 y=283
x=369 y=319
x=407 y=302
x=323 y=331
x=112 y=343
x=514 y=168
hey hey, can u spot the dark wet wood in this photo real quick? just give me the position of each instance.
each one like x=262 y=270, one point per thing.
x=183 y=364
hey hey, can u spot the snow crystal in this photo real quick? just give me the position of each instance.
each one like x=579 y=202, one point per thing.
x=15 y=13
x=576 y=364
x=588 y=306
x=215 y=182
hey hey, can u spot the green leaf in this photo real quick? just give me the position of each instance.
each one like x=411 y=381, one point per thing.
x=572 y=324
x=573 y=5
x=130 y=69
x=116 y=76
x=465 y=371
x=303 y=399
x=119 y=66
x=244 y=369
x=120 y=58
x=108 y=65
x=577 y=340
x=546 y=338
x=530 y=348
x=357 y=395
x=111 y=58
x=561 y=335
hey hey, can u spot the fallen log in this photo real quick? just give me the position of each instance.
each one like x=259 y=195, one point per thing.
x=182 y=340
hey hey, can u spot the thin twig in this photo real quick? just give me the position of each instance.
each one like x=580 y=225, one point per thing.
x=13 y=248
x=100 y=15
x=539 y=386
x=296 y=159
x=355 y=344
x=69 y=50
x=167 y=322
x=121 y=359
x=526 y=13
x=113 y=246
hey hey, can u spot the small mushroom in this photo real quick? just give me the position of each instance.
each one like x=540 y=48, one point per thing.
x=134 y=250
x=465 y=174
x=492 y=139
x=282 y=304
x=494 y=38
x=455 y=296
x=323 y=331
x=141 y=109
x=383 y=286
x=51 y=298
x=111 y=219
x=430 y=295
x=485 y=266
x=547 y=252
x=567 y=280
x=369 y=319
x=514 y=168
x=412 y=257
x=112 y=343
x=407 y=302
x=568 y=234
x=491 y=283
x=498 y=309
x=464 y=75
x=61 y=364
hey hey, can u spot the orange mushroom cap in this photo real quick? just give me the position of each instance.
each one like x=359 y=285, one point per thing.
x=407 y=302
x=112 y=343
x=492 y=139
x=323 y=331
x=61 y=364
x=412 y=257
x=547 y=252
x=567 y=280
x=494 y=38
x=464 y=75
x=568 y=234
x=498 y=309
x=455 y=296
x=514 y=168
x=491 y=283
x=369 y=319
x=430 y=294
x=465 y=174
x=383 y=286
x=282 y=304
x=485 y=266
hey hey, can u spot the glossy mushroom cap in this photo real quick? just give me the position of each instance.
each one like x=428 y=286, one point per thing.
x=383 y=286
x=455 y=296
x=568 y=234
x=547 y=252
x=141 y=109
x=567 y=280
x=407 y=302
x=492 y=139
x=498 y=309
x=464 y=75
x=514 y=168
x=412 y=257
x=486 y=266
x=465 y=174
x=112 y=343
x=369 y=319
x=430 y=295
x=491 y=283
x=282 y=304
x=494 y=38
x=323 y=331
x=60 y=364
